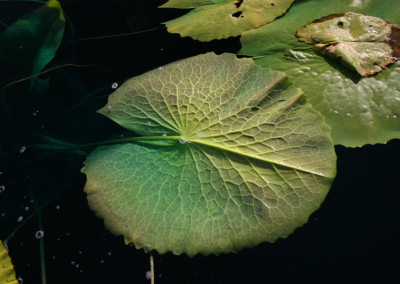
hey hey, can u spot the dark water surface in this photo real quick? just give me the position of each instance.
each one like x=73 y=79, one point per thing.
x=353 y=238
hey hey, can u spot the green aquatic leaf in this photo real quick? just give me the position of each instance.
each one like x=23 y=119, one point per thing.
x=32 y=41
x=7 y=273
x=360 y=110
x=225 y=18
x=230 y=156
x=362 y=43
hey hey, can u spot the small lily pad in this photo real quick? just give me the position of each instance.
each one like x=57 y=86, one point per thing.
x=362 y=43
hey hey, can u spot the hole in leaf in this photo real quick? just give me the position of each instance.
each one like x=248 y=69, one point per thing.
x=272 y=4
x=340 y=25
x=255 y=108
x=238 y=3
x=237 y=14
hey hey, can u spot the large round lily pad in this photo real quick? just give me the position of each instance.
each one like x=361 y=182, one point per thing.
x=230 y=155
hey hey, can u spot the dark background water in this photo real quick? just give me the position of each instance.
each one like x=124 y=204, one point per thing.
x=352 y=238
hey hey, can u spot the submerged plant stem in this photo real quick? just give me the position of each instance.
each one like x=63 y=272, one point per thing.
x=110 y=36
x=41 y=242
x=152 y=268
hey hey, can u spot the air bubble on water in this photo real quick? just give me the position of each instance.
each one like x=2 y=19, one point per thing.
x=109 y=107
x=148 y=275
x=58 y=207
x=77 y=265
x=102 y=261
x=114 y=86
x=109 y=253
x=349 y=114
x=22 y=149
x=2 y=188
x=20 y=280
x=160 y=68
x=26 y=208
x=35 y=112
x=39 y=234
x=72 y=262
x=20 y=218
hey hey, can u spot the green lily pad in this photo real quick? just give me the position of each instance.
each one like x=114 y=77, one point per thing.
x=7 y=273
x=360 y=110
x=230 y=156
x=32 y=41
x=224 y=18
x=362 y=43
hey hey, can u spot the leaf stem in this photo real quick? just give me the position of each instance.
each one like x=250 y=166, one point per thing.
x=110 y=36
x=152 y=268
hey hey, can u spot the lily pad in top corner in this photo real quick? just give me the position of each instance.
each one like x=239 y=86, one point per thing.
x=360 y=110
x=218 y=19
x=230 y=156
x=362 y=43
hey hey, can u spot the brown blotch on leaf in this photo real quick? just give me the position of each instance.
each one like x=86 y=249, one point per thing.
x=326 y=18
x=394 y=41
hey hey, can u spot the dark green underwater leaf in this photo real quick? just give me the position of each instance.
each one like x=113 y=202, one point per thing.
x=32 y=41
x=360 y=110
x=217 y=19
x=233 y=157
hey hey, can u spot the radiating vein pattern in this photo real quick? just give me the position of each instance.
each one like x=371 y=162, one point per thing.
x=254 y=161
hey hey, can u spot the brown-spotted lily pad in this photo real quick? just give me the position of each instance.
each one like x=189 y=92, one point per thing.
x=362 y=43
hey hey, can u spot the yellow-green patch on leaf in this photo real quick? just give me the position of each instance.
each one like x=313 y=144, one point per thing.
x=7 y=273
